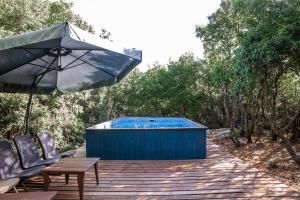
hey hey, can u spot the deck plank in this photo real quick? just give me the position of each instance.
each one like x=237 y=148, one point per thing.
x=220 y=176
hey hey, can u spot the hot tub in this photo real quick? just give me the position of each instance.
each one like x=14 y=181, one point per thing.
x=147 y=138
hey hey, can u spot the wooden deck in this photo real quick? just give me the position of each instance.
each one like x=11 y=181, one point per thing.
x=221 y=176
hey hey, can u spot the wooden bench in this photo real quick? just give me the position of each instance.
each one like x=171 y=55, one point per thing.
x=8 y=184
x=28 y=196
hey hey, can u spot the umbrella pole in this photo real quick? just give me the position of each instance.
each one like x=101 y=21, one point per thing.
x=28 y=109
x=29 y=105
x=35 y=82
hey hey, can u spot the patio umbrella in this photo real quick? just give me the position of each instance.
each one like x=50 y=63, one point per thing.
x=64 y=58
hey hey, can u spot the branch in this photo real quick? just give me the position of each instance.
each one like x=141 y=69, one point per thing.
x=292 y=121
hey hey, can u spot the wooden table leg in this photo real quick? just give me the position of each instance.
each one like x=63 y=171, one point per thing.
x=80 y=180
x=46 y=180
x=96 y=172
x=67 y=178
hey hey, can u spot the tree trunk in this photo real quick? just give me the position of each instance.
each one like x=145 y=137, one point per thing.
x=287 y=144
x=295 y=132
x=226 y=109
x=288 y=147
x=230 y=118
x=248 y=127
x=274 y=101
x=274 y=136
x=251 y=130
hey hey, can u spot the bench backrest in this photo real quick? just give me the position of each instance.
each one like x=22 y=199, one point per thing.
x=48 y=145
x=9 y=161
x=26 y=149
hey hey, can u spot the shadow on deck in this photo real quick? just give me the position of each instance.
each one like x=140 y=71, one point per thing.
x=221 y=176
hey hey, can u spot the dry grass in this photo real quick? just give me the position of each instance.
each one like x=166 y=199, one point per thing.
x=267 y=156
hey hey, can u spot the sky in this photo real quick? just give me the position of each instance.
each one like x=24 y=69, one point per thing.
x=162 y=29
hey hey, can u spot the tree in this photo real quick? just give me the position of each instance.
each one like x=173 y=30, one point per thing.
x=252 y=50
x=269 y=50
x=220 y=38
x=105 y=34
x=19 y=16
x=61 y=11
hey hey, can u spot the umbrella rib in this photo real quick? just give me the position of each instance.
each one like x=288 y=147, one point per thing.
x=74 y=66
x=75 y=33
x=19 y=66
x=67 y=66
x=46 y=71
x=94 y=66
x=40 y=66
x=36 y=56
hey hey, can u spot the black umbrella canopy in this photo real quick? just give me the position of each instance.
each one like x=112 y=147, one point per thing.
x=62 y=57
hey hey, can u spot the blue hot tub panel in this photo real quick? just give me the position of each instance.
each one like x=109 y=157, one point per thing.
x=136 y=138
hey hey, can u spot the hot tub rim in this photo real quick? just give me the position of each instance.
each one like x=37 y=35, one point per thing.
x=200 y=126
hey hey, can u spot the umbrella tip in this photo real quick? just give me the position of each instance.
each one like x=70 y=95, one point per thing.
x=67 y=23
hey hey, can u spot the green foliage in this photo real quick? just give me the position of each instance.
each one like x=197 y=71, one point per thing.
x=268 y=51
x=176 y=89
x=273 y=164
x=11 y=115
x=250 y=46
x=18 y=16
x=105 y=34
x=60 y=11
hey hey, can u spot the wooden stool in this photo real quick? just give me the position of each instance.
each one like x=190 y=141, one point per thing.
x=8 y=184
